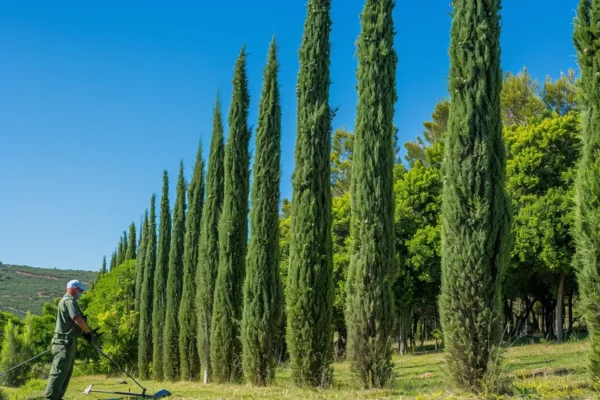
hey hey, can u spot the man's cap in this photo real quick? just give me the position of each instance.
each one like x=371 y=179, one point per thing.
x=75 y=284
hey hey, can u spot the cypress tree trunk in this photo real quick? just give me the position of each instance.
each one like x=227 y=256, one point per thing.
x=174 y=284
x=587 y=187
x=370 y=304
x=160 y=279
x=208 y=247
x=190 y=364
x=140 y=262
x=475 y=209
x=559 y=310
x=131 y=246
x=261 y=320
x=147 y=295
x=310 y=276
x=226 y=349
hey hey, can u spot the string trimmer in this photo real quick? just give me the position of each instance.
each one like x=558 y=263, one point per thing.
x=158 y=395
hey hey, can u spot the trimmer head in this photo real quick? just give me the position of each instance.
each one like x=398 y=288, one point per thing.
x=161 y=393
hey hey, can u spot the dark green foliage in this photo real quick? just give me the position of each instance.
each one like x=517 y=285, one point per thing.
x=174 y=284
x=113 y=260
x=370 y=305
x=309 y=294
x=132 y=243
x=147 y=294
x=103 y=269
x=225 y=345
x=475 y=208
x=140 y=261
x=587 y=188
x=262 y=288
x=190 y=363
x=159 y=304
x=208 y=248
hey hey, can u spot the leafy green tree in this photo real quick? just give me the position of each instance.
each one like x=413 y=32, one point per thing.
x=131 y=244
x=146 y=298
x=561 y=96
x=519 y=99
x=587 y=187
x=475 y=208
x=120 y=253
x=370 y=305
x=11 y=355
x=310 y=286
x=418 y=243
x=111 y=308
x=261 y=318
x=171 y=358
x=190 y=363
x=433 y=133
x=226 y=348
x=541 y=172
x=159 y=298
x=208 y=248
x=140 y=262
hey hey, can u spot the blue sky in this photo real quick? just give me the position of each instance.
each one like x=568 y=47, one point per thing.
x=98 y=98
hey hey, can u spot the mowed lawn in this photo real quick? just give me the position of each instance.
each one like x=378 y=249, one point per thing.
x=538 y=371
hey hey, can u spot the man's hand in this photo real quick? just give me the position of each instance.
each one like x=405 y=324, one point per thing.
x=90 y=336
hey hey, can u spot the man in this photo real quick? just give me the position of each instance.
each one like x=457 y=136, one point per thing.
x=70 y=325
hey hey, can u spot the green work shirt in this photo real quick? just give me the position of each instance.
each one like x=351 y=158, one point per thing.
x=67 y=310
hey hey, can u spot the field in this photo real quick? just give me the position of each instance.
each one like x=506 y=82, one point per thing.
x=25 y=288
x=537 y=371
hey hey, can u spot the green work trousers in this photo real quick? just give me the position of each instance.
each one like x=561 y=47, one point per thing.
x=62 y=368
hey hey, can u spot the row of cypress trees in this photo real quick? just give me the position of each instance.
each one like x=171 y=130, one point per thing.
x=190 y=278
x=231 y=316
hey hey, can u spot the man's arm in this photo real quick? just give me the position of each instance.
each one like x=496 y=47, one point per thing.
x=81 y=323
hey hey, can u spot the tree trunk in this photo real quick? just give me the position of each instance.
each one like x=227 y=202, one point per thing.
x=571 y=311
x=559 y=310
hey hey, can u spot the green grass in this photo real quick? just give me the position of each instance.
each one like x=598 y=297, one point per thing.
x=25 y=288
x=539 y=371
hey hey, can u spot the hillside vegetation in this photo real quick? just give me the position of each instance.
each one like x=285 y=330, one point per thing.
x=24 y=288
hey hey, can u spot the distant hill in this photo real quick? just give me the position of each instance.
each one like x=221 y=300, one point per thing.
x=24 y=288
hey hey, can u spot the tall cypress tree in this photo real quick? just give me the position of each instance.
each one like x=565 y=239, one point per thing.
x=147 y=295
x=310 y=276
x=587 y=187
x=140 y=261
x=174 y=284
x=190 y=363
x=226 y=349
x=160 y=279
x=131 y=244
x=475 y=209
x=125 y=247
x=113 y=260
x=120 y=253
x=262 y=287
x=208 y=247
x=370 y=304
x=103 y=268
